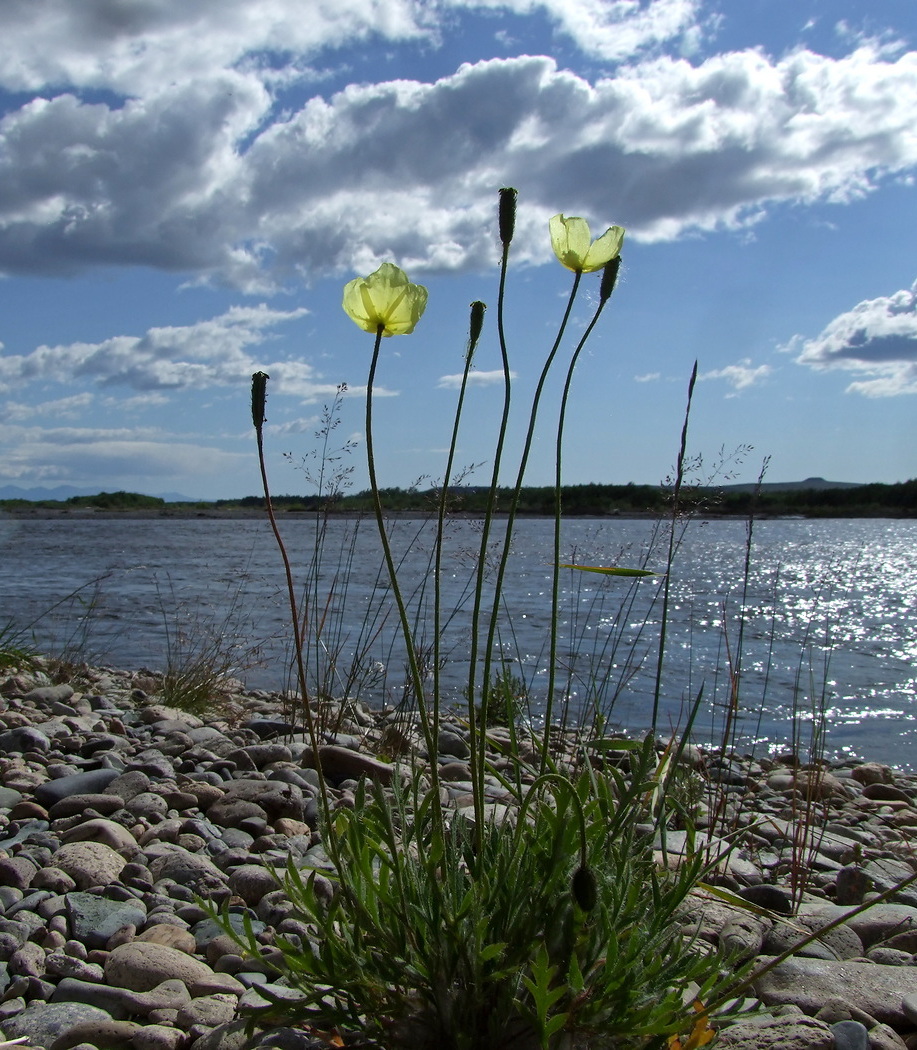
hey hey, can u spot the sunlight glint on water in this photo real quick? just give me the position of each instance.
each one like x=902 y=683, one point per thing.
x=830 y=613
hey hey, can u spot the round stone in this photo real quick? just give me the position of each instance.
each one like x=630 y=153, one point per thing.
x=43 y=1023
x=17 y=872
x=251 y=882
x=170 y=935
x=74 y=804
x=141 y=966
x=850 y=1035
x=148 y=804
x=91 y=782
x=89 y=863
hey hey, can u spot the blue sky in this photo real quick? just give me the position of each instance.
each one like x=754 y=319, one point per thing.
x=186 y=187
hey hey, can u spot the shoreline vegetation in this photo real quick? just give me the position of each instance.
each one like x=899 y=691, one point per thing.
x=807 y=499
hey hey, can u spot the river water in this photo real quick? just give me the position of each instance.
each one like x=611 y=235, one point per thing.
x=823 y=629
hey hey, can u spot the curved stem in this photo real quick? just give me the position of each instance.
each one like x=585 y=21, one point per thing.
x=478 y=747
x=440 y=529
x=413 y=664
x=670 y=558
x=311 y=727
x=511 y=515
x=555 y=580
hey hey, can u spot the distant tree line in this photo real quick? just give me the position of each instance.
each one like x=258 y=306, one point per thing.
x=117 y=501
x=876 y=501
x=593 y=500
x=100 y=501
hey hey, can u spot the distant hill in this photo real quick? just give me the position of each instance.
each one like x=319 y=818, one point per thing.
x=64 y=492
x=816 y=484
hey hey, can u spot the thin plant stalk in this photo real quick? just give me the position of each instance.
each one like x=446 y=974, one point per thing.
x=608 y=281
x=413 y=663
x=259 y=394
x=510 y=522
x=507 y=217
x=735 y=667
x=476 y=322
x=667 y=581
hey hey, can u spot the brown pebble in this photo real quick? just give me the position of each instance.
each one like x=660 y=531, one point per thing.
x=27 y=810
x=53 y=939
x=80 y=804
x=171 y=936
x=206 y=794
x=159 y=1037
x=123 y=936
x=221 y=945
x=217 y=983
x=106 y=1035
x=290 y=827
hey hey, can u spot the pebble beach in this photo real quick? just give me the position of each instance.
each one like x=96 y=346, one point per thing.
x=119 y=814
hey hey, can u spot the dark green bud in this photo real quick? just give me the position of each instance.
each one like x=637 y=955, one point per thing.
x=585 y=888
x=477 y=323
x=507 y=215
x=609 y=277
x=259 y=396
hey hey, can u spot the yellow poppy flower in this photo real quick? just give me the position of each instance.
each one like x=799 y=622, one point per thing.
x=574 y=247
x=385 y=298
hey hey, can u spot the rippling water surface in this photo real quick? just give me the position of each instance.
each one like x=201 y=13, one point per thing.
x=827 y=621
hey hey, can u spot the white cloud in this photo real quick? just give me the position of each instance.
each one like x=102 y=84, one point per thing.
x=648 y=377
x=210 y=353
x=876 y=340
x=77 y=454
x=203 y=176
x=884 y=41
x=138 y=48
x=608 y=29
x=740 y=376
x=454 y=382
x=60 y=408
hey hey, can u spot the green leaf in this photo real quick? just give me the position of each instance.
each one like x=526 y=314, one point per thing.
x=492 y=951
x=612 y=570
x=614 y=744
x=554 y=1025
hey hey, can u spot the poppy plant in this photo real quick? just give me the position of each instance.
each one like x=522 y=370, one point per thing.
x=385 y=300
x=574 y=247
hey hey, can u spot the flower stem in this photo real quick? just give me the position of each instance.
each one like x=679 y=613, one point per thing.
x=667 y=581
x=555 y=581
x=478 y=735
x=413 y=663
x=258 y=388
x=510 y=522
x=477 y=317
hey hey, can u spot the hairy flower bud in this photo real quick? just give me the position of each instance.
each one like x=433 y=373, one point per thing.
x=609 y=277
x=259 y=396
x=585 y=888
x=475 y=326
x=507 y=215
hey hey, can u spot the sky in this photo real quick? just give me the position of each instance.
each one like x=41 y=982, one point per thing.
x=185 y=188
